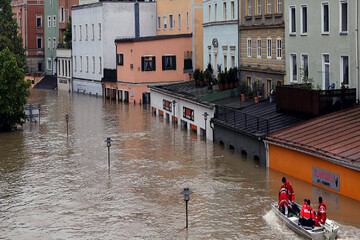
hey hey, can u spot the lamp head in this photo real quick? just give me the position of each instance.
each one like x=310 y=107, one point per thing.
x=186 y=194
x=67 y=117
x=108 y=142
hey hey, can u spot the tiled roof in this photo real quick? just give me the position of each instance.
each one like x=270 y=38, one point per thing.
x=49 y=82
x=335 y=136
x=256 y=120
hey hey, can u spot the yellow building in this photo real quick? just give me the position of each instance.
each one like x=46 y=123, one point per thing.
x=179 y=17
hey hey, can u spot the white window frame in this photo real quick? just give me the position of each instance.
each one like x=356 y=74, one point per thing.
x=258 y=7
x=171 y=22
x=67 y=16
x=291 y=23
x=86 y=32
x=232 y=10
x=74 y=33
x=49 y=21
x=50 y=2
x=279 y=49
x=49 y=43
x=100 y=65
x=158 y=22
x=62 y=15
x=249 y=47
x=302 y=62
x=48 y=66
x=342 y=69
x=41 y=40
x=93 y=32
x=215 y=11
x=39 y=16
x=225 y=61
x=292 y=68
x=268 y=7
x=54 y=42
x=80 y=35
x=209 y=16
x=322 y=18
x=75 y=64
x=323 y=69
x=248 y=7
x=81 y=64
x=54 y=20
x=340 y=18
x=268 y=48
x=87 y=64
x=302 y=32
x=224 y=11
x=164 y=22
x=179 y=24
x=93 y=65
x=278 y=6
x=258 y=52
x=187 y=20
x=99 y=26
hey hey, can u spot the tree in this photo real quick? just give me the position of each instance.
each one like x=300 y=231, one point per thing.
x=68 y=35
x=9 y=35
x=14 y=92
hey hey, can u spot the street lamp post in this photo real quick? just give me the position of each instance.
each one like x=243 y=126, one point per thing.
x=108 y=142
x=205 y=118
x=174 y=102
x=186 y=194
x=67 y=124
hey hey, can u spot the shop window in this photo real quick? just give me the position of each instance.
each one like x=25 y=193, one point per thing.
x=188 y=113
x=167 y=105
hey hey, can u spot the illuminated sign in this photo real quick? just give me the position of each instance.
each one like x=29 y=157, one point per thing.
x=188 y=113
x=326 y=178
x=167 y=105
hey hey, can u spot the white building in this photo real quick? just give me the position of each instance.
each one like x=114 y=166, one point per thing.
x=64 y=69
x=95 y=27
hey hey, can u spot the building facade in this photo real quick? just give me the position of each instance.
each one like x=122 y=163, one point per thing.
x=182 y=17
x=220 y=22
x=64 y=69
x=30 y=18
x=94 y=29
x=331 y=57
x=51 y=38
x=262 y=44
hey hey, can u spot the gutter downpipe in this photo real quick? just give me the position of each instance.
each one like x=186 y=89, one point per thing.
x=357 y=49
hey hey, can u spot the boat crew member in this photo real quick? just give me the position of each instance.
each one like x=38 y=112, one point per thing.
x=307 y=216
x=291 y=195
x=284 y=204
x=321 y=213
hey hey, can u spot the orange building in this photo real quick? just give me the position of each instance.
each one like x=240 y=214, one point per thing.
x=29 y=15
x=147 y=61
x=181 y=17
x=324 y=151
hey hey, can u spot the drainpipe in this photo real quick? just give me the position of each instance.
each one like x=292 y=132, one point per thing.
x=357 y=49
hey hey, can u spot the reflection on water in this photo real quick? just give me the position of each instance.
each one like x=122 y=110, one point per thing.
x=54 y=187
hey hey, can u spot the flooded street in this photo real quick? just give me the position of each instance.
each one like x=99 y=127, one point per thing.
x=54 y=187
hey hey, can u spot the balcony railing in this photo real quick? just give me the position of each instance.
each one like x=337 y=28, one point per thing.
x=109 y=75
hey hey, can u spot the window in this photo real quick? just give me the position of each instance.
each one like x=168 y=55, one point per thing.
x=303 y=19
x=209 y=17
x=248 y=7
x=305 y=66
x=279 y=6
x=293 y=68
x=51 y=2
x=39 y=42
x=80 y=63
x=87 y=64
x=38 y=21
x=188 y=113
x=158 y=22
x=93 y=32
x=100 y=65
x=93 y=64
x=248 y=81
x=224 y=11
x=232 y=61
x=179 y=21
x=326 y=71
x=343 y=16
x=120 y=59
x=325 y=18
x=165 y=22
x=232 y=8
x=168 y=62
x=210 y=58
x=258 y=7
x=74 y=34
x=344 y=70
x=48 y=64
x=148 y=63
x=86 y=32
x=249 y=47
x=269 y=41
x=268 y=9
x=187 y=20
x=49 y=43
x=187 y=60
x=62 y=15
x=54 y=43
x=171 y=22
x=20 y=22
x=54 y=21
x=80 y=35
x=75 y=64
x=292 y=19
x=215 y=8
x=259 y=48
x=67 y=15
x=49 y=21
x=225 y=62
x=99 y=31
x=278 y=48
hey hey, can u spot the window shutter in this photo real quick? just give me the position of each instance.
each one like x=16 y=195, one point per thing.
x=174 y=62
x=154 y=63
x=142 y=63
x=59 y=15
x=117 y=59
x=163 y=63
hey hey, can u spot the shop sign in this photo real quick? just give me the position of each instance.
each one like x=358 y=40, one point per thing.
x=132 y=94
x=326 y=178
x=188 y=113
x=167 y=105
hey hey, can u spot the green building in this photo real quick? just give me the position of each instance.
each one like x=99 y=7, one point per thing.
x=51 y=35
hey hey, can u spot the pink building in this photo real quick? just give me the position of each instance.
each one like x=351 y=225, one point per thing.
x=146 y=61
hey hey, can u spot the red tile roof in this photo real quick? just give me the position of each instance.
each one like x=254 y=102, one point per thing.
x=335 y=137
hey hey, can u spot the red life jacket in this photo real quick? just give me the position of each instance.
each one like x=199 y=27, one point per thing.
x=321 y=213
x=302 y=209
x=283 y=197
x=290 y=191
x=307 y=213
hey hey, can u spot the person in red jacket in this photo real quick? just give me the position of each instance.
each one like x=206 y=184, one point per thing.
x=307 y=215
x=289 y=189
x=321 y=213
x=284 y=204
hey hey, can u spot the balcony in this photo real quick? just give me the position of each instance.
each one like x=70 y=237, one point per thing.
x=110 y=75
x=293 y=98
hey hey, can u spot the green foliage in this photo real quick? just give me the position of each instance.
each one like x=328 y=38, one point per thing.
x=68 y=35
x=249 y=92
x=242 y=87
x=9 y=36
x=14 y=92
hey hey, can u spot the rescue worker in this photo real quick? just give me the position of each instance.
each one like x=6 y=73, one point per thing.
x=307 y=216
x=291 y=195
x=284 y=204
x=321 y=213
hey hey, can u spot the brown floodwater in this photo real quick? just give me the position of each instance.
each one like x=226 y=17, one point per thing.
x=54 y=187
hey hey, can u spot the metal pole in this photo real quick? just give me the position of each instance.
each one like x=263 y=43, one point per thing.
x=109 y=158
x=67 y=129
x=186 y=213
x=205 y=130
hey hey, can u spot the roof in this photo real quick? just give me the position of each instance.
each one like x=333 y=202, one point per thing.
x=256 y=120
x=151 y=38
x=335 y=136
x=49 y=82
